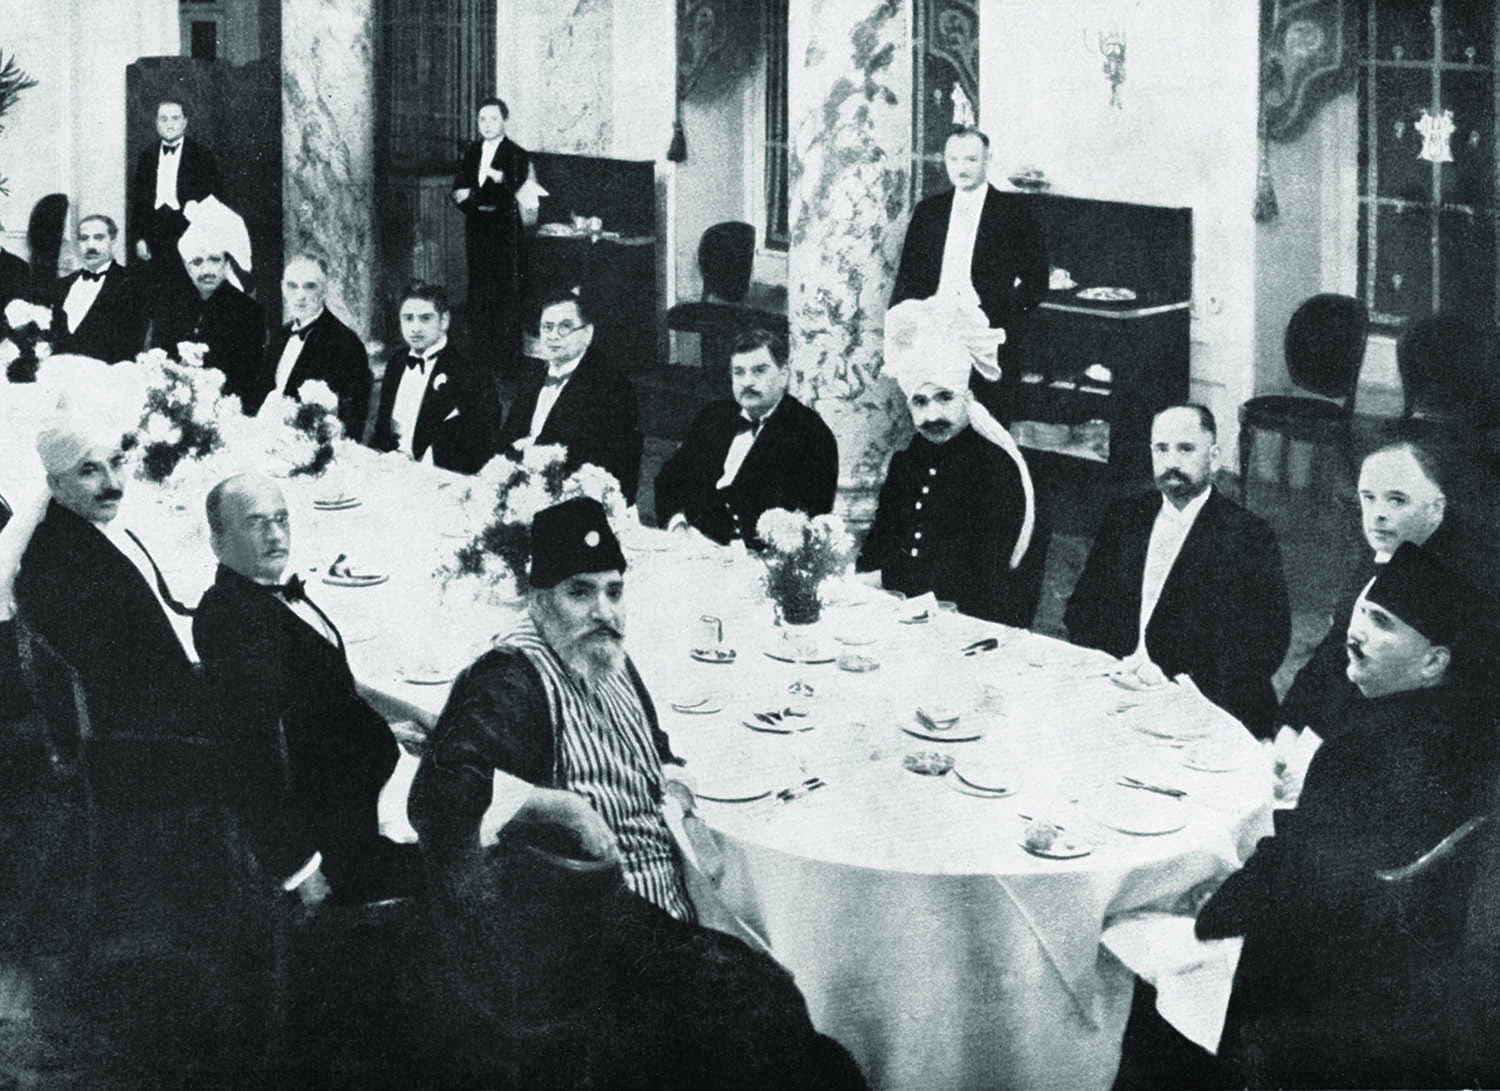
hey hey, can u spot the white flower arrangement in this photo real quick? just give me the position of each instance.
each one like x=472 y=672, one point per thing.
x=513 y=491
x=28 y=340
x=181 y=415
x=799 y=554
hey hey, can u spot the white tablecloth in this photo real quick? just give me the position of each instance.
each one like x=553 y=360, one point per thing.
x=924 y=938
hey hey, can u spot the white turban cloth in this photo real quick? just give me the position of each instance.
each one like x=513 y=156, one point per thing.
x=935 y=342
x=96 y=406
x=215 y=228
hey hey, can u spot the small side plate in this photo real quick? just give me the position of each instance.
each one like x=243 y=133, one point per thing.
x=714 y=655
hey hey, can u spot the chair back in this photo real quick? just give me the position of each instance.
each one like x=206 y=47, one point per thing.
x=1325 y=346
x=58 y=693
x=1445 y=364
x=726 y=259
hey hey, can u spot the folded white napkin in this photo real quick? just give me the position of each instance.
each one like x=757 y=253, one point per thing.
x=1293 y=751
x=1192 y=977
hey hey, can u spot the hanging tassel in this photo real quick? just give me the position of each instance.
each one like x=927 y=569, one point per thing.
x=677 y=150
x=1265 y=209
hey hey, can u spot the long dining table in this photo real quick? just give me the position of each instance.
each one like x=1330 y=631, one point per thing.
x=924 y=935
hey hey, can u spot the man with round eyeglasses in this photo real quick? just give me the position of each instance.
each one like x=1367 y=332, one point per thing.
x=581 y=400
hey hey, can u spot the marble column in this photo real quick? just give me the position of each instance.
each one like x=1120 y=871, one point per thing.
x=850 y=92
x=328 y=137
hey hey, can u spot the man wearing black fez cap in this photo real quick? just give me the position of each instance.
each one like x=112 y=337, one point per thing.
x=554 y=726
x=1326 y=992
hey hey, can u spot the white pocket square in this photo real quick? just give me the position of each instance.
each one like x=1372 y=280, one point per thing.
x=451 y=414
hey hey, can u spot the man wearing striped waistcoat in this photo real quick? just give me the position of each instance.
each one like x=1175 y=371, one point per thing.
x=558 y=709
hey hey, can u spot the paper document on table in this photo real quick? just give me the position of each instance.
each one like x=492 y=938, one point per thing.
x=1192 y=977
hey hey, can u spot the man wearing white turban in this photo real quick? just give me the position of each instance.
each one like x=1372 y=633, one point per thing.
x=216 y=313
x=957 y=512
x=93 y=592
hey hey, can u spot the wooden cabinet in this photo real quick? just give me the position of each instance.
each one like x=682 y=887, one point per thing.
x=1113 y=361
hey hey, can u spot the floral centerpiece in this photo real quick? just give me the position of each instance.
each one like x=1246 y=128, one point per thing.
x=510 y=492
x=311 y=427
x=800 y=553
x=28 y=339
x=181 y=414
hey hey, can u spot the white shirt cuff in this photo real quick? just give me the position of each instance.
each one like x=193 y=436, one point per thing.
x=390 y=807
x=304 y=873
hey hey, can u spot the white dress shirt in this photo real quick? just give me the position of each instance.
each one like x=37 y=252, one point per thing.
x=291 y=352
x=409 y=397
x=739 y=448
x=547 y=397
x=80 y=298
x=957 y=276
x=181 y=626
x=1167 y=535
x=486 y=158
x=166 y=175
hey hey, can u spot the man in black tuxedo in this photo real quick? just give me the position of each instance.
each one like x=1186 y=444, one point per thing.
x=975 y=240
x=169 y=173
x=216 y=314
x=490 y=171
x=314 y=346
x=278 y=677
x=92 y=591
x=435 y=406
x=764 y=449
x=582 y=401
x=1187 y=580
x=100 y=310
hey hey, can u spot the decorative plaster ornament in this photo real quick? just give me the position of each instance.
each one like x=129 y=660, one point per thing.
x=1436 y=132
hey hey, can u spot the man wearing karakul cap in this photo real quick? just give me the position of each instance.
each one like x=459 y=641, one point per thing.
x=553 y=729
x=1329 y=988
x=957 y=511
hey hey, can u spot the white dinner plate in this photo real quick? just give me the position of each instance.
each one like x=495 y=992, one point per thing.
x=426 y=676
x=370 y=579
x=713 y=655
x=956 y=733
x=1064 y=848
x=963 y=787
x=728 y=794
x=987 y=776
x=811 y=657
x=1143 y=814
x=698 y=706
x=337 y=505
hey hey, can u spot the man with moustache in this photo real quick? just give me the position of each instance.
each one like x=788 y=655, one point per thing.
x=490 y=171
x=763 y=449
x=553 y=728
x=312 y=758
x=957 y=511
x=215 y=314
x=1402 y=499
x=89 y=588
x=582 y=401
x=976 y=242
x=435 y=406
x=1185 y=580
x=1333 y=987
x=170 y=172
x=315 y=346
x=101 y=309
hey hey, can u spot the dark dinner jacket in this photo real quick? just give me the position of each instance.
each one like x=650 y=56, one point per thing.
x=230 y=323
x=793 y=464
x=510 y=159
x=331 y=353
x=1222 y=618
x=458 y=418
x=114 y=328
x=15 y=278
x=197 y=177
x=596 y=417
x=1332 y=986
x=1009 y=269
x=91 y=604
x=262 y=662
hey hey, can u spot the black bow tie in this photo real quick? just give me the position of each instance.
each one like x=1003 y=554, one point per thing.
x=554 y=381
x=293 y=590
x=301 y=333
x=169 y=149
x=84 y=274
x=751 y=426
x=418 y=362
